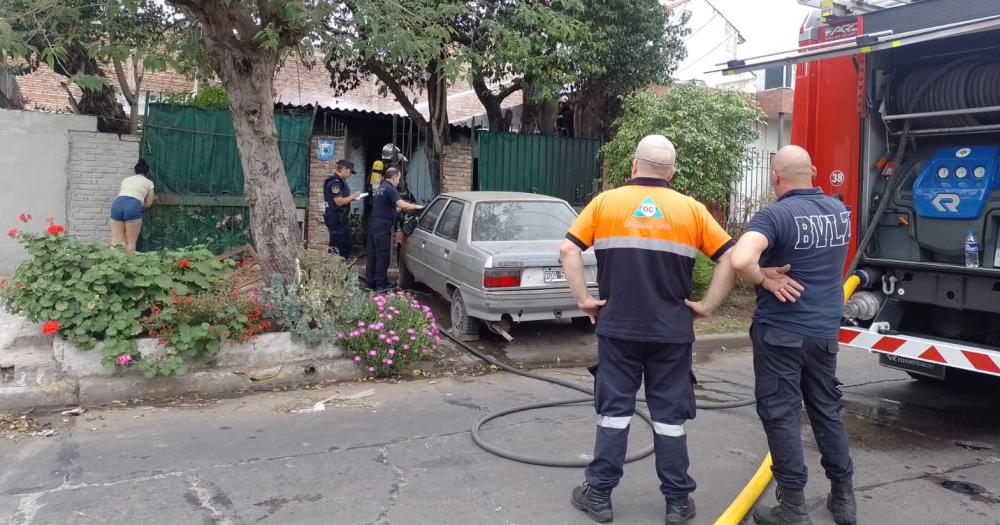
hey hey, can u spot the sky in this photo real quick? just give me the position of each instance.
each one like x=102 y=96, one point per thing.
x=767 y=25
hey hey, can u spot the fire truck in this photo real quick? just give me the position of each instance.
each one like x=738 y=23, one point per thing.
x=898 y=102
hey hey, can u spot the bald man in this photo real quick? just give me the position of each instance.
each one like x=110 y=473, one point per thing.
x=794 y=334
x=646 y=237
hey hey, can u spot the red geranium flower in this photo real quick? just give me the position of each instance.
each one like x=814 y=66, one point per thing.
x=3 y=282
x=25 y=217
x=55 y=229
x=50 y=327
x=184 y=263
x=12 y=233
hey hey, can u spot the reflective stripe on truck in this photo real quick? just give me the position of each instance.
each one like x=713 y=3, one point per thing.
x=973 y=359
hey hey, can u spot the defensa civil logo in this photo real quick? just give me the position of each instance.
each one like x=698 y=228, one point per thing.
x=648 y=210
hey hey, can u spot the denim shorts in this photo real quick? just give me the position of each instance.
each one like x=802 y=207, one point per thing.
x=125 y=209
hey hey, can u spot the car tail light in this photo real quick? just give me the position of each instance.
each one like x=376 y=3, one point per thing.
x=493 y=278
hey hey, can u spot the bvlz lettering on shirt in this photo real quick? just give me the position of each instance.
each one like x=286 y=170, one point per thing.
x=822 y=231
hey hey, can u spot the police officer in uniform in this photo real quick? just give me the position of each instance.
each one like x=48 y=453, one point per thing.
x=385 y=202
x=795 y=335
x=338 y=197
x=646 y=237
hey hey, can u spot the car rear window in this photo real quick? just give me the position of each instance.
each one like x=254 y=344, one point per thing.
x=521 y=221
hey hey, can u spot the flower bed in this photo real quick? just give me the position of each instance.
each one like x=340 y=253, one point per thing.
x=188 y=302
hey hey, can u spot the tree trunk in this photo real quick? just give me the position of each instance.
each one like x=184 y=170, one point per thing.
x=494 y=113
x=438 y=134
x=591 y=111
x=247 y=74
x=547 y=117
x=530 y=110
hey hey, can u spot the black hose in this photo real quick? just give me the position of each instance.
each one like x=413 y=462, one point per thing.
x=573 y=463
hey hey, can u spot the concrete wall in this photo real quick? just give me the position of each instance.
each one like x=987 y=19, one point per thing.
x=97 y=164
x=34 y=155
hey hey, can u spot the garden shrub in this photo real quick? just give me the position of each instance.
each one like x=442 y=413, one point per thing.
x=399 y=332
x=324 y=296
x=90 y=293
x=192 y=327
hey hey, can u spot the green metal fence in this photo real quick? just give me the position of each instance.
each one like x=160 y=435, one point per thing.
x=195 y=164
x=557 y=166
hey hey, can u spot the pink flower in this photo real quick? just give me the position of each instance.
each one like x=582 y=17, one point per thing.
x=357 y=359
x=50 y=220
x=388 y=362
x=389 y=317
x=406 y=347
x=124 y=359
x=381 y=337
x=12 y=233
x=413 y=338
x=410 y=331
x=371 y=368
x=361 y=324
x=372 y=353
x=363 y=331
x=340 y=335
x=391 y=352
x=24 y=217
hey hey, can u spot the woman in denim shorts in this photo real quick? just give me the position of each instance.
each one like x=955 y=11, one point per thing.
x=135 y=194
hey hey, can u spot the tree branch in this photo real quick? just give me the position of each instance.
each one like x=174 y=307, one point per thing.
x=123 y=81
x=515 y=85
x=398 y=92
x=73 y=104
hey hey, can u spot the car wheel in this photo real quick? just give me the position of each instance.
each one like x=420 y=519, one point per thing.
x=583 y=324
x=461 y=323
x=406 y=279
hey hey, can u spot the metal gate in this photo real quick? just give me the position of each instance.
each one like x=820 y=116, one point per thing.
x=556 y=166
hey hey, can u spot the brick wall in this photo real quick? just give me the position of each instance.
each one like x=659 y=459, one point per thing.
x=97 y=164
x=456 y=172
x=317 y=238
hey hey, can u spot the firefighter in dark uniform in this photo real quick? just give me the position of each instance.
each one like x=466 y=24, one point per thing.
x=338 y=197
x=795 y=336
x=646 y=237
x=385 y=202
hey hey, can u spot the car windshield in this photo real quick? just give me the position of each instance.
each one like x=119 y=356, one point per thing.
x=521 y=221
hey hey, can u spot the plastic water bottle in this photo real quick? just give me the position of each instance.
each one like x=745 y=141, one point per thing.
x=971 y=250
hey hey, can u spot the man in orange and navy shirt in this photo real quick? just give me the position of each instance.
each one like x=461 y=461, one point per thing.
x=646 y=237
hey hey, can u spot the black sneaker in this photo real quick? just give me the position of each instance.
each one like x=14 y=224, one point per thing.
x=679 y=513
x=596 y=503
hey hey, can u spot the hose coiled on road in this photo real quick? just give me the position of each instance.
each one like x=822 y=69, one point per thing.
x=572 y=463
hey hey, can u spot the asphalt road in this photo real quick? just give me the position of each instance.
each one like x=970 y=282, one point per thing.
x=925 y=454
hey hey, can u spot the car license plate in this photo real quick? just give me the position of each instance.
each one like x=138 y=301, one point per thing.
x=912 y=365
x=553 y=275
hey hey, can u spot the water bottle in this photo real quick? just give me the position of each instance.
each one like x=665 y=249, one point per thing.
x=971 y=250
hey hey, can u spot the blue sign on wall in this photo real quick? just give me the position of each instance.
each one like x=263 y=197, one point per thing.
x=324 y=151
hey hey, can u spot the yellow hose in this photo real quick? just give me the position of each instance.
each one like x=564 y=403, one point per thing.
x=748 y=496
x=850 y=285
x=740 y=506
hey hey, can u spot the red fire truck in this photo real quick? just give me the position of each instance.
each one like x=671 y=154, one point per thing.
x=898 y=101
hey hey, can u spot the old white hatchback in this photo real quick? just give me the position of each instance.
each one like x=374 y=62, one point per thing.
x=495 y=256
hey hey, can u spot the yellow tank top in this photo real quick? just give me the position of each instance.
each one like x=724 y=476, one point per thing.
x=136 y=186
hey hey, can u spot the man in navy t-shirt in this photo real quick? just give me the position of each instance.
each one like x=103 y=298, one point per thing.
x=385 y=201
x=794 y=334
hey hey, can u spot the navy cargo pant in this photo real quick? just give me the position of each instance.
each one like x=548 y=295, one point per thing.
x=790 y=368
x=379 y=246
x=341 y=241
x=666 y=369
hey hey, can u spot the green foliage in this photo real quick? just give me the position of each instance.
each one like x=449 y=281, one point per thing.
x=712 y=130
x=630 y=45
x=218 y=228
x=702 y=276
x=398 y=332
x=211 y=96
x=324 y=297
x=192 y=327
x=91 y=293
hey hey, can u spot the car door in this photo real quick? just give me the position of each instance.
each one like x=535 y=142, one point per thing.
x=416 y=254
x=441 y=247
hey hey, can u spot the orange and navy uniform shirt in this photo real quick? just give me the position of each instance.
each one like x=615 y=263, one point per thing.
x=646 y=237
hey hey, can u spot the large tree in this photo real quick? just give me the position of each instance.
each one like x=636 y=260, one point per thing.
x=631 y=45
x=519 y=45
x=409 y=47
x=244 y=42
x=65 y=35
